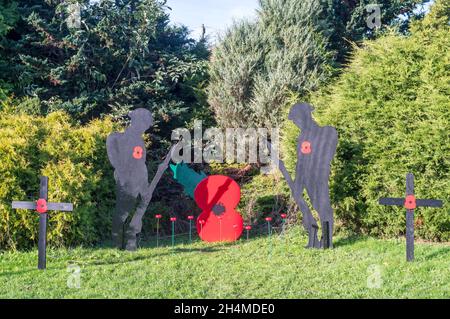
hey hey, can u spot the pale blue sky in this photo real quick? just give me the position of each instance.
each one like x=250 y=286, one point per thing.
x=216 y=15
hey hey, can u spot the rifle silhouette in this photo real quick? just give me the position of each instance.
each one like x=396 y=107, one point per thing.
x=297 y=193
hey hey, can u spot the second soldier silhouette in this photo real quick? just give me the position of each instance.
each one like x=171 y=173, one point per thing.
x=127 y=154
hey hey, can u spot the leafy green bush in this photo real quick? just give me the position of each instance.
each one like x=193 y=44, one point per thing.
x=74 y=158
x=392 y=112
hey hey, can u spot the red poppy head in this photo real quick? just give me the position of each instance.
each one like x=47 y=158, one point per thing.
x=41 y=206
x=410 y=202
x=268 y=219
x=306 y=147
x=158 y=216
x=284 y=216
x=201 y=222
x=190 y=217
x=173 y=219
x=248 y=227
x=138 y=152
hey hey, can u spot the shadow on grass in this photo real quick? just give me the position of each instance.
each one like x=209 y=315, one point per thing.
x=440 y=252
x=122 y=258
x=350 y=240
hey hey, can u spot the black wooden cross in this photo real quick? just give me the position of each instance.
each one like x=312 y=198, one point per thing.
x=41 y=206
x=410 y=203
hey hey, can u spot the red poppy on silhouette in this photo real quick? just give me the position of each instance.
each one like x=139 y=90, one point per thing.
x=201 y=222
x=137 y=152
x=306 y=147
x=173 y=219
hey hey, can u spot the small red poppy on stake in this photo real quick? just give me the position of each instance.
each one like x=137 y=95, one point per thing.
x=248 y=228
x=268 y=219
x=173 y=220
x=190 y=218
x=158 y=217
x=283 y=222
x=201 y=222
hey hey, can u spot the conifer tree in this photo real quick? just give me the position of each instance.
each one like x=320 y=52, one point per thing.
x=292 y=47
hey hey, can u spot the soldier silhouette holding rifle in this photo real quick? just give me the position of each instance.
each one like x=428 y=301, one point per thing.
x=316 y=147
x=127 y=154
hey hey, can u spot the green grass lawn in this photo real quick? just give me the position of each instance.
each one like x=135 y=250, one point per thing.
x=278 y=267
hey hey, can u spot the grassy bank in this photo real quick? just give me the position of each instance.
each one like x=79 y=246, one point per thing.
x=276 y=267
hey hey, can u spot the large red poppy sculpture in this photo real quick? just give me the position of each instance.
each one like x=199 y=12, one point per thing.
x=218 y=196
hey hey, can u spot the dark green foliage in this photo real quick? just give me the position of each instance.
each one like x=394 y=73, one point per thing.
x=8 y=18
x=124 y=55
x=392 y=112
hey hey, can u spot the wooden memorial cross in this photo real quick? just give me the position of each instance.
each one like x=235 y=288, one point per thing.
x=41 y=206
x=410 y=203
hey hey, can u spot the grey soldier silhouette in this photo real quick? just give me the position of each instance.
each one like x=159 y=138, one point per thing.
x=127 y=154
x=316 y=147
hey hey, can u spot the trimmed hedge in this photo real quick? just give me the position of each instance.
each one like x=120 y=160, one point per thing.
x=74 y=158
x=392 y=111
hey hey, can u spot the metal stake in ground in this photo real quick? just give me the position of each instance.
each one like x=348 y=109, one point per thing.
x=283 y=222
x=42 y=207
x=158 y=217
x=269 y=232
x=410 y=203
x=190 y=218
x=248 y=228
x=173 y=220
